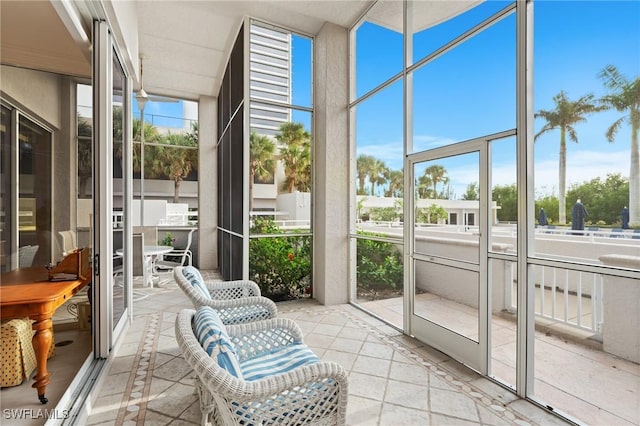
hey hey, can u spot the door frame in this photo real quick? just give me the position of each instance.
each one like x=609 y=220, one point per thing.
x=474 y=354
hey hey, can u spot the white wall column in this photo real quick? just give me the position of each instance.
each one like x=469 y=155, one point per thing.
x=331 y=166
x=207 y=183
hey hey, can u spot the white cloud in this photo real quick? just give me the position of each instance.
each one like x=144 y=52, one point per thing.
x=582 y=166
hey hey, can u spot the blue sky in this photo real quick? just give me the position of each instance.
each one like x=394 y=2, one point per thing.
x=470 y=91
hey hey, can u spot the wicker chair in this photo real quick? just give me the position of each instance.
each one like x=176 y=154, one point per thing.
x=313 y=393
x=236 y=301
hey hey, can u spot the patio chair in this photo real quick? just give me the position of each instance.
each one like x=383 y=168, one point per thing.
x=240 y=380
x=68 y=241
x=26 y=254
x=235 y=301
x=180 y=256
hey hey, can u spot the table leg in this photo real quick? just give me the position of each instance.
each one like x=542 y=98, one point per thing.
x=41 y=344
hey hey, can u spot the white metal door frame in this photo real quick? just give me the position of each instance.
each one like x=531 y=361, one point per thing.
x=474 y=354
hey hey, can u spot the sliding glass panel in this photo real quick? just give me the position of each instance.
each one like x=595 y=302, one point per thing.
x=6 y=210
x=35 y=197
x=119 y=289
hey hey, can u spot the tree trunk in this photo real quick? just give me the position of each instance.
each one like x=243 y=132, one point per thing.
x=562 y=179
x=176 y=190
x=252 y=175
x=634 y=177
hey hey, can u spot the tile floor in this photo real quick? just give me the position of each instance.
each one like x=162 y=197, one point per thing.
x=393 y=379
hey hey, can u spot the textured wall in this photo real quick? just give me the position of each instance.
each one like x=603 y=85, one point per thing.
x=208 y=184
x=331 y=166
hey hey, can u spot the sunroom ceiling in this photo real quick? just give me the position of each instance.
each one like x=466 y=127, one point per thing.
x=186 y=43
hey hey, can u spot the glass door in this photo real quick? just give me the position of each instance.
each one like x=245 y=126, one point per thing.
x=448 y=301
x=112 y=190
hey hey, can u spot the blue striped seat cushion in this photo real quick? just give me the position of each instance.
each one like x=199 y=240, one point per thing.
x=195 y=278
x=277 y=362
x=212 y=336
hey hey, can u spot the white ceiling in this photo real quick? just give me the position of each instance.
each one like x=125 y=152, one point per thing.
x=185 y=43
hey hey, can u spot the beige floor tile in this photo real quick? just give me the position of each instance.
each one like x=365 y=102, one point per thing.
x=407 y=395
x=345 y=359
x=318 y=341
x=367 y=386
x=396 y=415
x=363 y=411
x=327 y=329
x=410 y=373
x=377 y=350
x=372 y=366
x=173 y=400
x=346 y=345
x=454 y=404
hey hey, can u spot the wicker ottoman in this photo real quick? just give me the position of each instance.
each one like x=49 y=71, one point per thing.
x=17 y=357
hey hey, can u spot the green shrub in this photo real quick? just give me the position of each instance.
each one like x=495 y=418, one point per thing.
x=280 y=265
x=380 y=264
x=383 y=214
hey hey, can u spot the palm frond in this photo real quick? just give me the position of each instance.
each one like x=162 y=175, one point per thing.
x=613 y=129
x=612 y=78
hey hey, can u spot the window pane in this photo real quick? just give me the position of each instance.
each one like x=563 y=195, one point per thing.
x=598 y=59
x=379 y=46
x=435 y=23
x=467 y=92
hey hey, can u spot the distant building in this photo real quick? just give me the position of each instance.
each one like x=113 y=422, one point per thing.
x=270 y=80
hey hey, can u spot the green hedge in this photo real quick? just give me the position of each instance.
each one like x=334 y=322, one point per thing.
x=280 y=265
x=380 y=264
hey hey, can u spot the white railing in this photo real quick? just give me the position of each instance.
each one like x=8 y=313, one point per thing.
x=573 y=298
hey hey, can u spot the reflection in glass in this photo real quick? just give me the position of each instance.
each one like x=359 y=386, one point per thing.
x=34 y=199
x=119 y=300
x=6 y=217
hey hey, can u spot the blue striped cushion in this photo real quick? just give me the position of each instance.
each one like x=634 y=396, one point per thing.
x=277 y=362
x=195 y=278
x=213 y=337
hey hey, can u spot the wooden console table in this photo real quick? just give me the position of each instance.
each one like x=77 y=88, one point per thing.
x=28 y=292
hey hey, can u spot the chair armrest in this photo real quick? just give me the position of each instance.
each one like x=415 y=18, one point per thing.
x=318 y=391
x=232 y=289
x=241 y=310
x=254 y=338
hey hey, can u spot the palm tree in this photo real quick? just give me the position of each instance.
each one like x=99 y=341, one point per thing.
x=295 y=154
x=563 y=117
x=624 y=97
x=364 y=163
x=423 y=186
x=262 y=161
x=171 y=158
x=85 y=154
x=396 y=183
x=376 y=174
x=438 y=174
x=151 y=135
